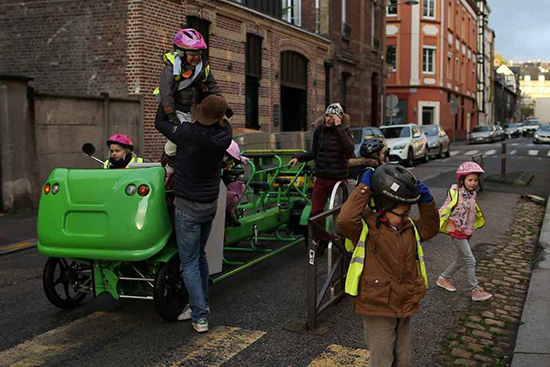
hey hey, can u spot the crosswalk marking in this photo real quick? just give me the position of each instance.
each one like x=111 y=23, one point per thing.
x=67 y=338
x=214 y=348
x=513 y=152
x=549 y=153
x=490 y=152
x=339 y=356
x=454 y=152
x=533 y=152
x=471 y=152
x=514 y=144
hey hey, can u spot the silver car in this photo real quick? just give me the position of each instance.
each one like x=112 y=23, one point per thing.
x=511 y=129
x=438 y=141
x=481 y=134
x=542 y=135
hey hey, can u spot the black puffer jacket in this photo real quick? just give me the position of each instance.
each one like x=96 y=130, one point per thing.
x=198 y=158
x=331 y=150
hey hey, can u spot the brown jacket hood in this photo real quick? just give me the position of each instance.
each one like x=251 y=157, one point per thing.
x=390 y=284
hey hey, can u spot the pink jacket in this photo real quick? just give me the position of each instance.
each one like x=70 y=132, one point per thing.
x=463 y=214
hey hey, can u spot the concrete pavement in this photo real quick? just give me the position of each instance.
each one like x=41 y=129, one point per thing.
x=532 y=344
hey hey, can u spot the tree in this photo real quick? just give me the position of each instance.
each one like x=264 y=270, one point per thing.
x=499 y=59
x=527 y=111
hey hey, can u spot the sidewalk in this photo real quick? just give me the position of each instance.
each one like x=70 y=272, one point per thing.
x=17 y=227
x=532 y=344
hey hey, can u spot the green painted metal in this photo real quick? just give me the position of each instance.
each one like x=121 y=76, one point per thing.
x=91 y=217
x=266 y=221
x=256 y=261
x=105 y=280
x=305 y=215
x=166 y=254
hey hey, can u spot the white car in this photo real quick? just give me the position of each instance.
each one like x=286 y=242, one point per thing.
x=406 y=143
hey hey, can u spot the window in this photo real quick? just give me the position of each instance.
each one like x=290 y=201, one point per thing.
x=429 y=9
x=317 y=17
x=292 y=11
x=272 y=8
x=428 y=60
x=457 y=72
x=344 y=89
x=449 y=66
x=428 y=115
x=391 y=56
x=392 y=8
x=253 y=71
x=202 y=26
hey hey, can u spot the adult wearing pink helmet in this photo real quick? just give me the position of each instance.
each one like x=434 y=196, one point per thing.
x=121 y=152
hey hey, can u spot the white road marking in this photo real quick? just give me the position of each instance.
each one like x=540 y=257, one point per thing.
x=471 y=152
x=490 y=152
x=549 y=153
x=455 y=152
x=513 y=152
x=533 y=152
x=514 y=144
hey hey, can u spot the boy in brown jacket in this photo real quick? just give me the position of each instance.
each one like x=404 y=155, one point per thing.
x=390 y=285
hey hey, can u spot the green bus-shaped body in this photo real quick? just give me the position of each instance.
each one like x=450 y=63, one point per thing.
x=91 y=216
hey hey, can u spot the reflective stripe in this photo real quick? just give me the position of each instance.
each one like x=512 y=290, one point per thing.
x=446 y=213
x=187 y=82
x=357 y=263
x=107 y=164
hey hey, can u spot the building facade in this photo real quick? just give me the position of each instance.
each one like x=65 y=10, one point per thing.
x=485 y=61
x=431 y=49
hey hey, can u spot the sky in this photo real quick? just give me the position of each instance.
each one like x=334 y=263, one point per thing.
x=522 y=28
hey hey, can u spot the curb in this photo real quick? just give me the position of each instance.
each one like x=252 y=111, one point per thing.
x=18 y=246
x=532 y=347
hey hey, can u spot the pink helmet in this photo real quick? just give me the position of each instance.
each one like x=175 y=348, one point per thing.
x=467 y=168
x=122 y=140
x=234 y=150
x=189 y=39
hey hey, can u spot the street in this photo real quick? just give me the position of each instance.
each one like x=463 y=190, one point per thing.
x=250 y=309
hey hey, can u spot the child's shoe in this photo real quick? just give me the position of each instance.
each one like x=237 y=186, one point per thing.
x=479 y=294
x=446 y=283
x=201 y=326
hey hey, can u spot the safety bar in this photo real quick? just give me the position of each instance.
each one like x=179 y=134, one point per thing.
x=337 y=274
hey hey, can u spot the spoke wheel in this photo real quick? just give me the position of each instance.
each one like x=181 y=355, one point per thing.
x=171 y=296
x=58 y=280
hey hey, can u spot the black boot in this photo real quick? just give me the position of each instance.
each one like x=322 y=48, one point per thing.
x=231 y=220
x=323 y=245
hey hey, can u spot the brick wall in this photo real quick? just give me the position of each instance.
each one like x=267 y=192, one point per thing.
x=69 y=47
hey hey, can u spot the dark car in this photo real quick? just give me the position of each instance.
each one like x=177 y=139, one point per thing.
x=438 y=141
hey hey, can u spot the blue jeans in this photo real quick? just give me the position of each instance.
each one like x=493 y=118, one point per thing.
x=192 y=234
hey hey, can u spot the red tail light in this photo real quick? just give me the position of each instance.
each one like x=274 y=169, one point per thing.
x=47 y=188
x=143 y=190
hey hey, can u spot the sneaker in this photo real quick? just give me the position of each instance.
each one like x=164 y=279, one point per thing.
x=201 y=326
x=185 y=314
x=446 y=283
x=479 y=294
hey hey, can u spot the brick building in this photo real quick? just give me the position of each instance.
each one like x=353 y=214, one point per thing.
x=432 y=50
x=115 y=47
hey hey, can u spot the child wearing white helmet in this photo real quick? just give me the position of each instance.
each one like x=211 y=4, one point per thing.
x=460 y=216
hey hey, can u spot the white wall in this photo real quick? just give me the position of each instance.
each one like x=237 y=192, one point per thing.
x=542 y=110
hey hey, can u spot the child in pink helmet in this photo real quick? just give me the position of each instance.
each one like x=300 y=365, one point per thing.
x=235 y=187
x=121 y=152
x=185 y=80
x=460 y=216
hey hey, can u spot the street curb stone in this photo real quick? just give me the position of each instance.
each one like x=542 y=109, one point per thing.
x=532 y=345
x=488 y=329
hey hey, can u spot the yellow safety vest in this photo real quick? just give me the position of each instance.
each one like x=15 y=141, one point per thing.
x=107 y=164
x=357 y=263
x=171 y=58
x=446 y=213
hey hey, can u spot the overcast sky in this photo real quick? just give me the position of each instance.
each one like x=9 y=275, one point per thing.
x=522 y=28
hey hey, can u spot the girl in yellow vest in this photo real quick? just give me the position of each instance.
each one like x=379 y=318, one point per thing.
x=460 y=216
x=121 y=152
x=389 y=281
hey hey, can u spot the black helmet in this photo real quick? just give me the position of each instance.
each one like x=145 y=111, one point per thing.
x=371 y=146
x=392 y=185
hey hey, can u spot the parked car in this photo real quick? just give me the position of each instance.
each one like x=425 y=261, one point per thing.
x=481 y=134
x=361 y=134
x=520 y=129
x=500 y=133
x=542 y=135
x=530 y=126
x=406 y=143
x=438 y=141
x=511 y=129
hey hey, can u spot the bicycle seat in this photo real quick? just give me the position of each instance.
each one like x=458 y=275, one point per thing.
x=259 y=186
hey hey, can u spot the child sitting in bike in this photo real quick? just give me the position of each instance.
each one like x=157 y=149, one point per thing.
x=121 y=152
x=373 y=154
x=235 y=187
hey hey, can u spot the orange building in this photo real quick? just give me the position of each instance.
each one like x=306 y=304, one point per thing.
x=431 y=54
